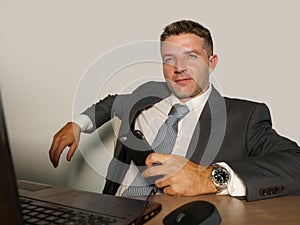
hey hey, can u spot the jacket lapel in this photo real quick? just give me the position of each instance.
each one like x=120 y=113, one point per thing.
x=209 y=132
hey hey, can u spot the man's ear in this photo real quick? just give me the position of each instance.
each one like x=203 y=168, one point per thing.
x=213 y=61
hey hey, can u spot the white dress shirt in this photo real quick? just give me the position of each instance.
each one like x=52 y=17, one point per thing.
x=150 y=121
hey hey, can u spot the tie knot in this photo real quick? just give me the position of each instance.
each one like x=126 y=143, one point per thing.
x=179 y=111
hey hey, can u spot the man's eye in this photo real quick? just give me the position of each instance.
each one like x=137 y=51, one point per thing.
x=168 y=60
x=192 y=57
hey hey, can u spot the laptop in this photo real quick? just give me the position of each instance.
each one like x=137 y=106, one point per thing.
x=26 y=202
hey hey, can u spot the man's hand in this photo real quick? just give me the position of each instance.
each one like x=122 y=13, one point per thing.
x=68 y=136
x=181 y=176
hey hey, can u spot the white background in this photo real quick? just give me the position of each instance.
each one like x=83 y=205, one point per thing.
x=47 y=46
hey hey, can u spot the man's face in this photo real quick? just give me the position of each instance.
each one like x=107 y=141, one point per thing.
x=186 y=65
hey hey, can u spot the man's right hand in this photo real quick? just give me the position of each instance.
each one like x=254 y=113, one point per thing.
x=68 y=136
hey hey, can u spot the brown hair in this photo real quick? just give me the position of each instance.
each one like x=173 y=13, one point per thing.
x=188 y=26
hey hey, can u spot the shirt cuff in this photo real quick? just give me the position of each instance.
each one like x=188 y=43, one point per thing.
x=84 y=122
x=236 y=186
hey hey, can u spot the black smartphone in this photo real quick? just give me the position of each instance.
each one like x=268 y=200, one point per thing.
x=138 y=156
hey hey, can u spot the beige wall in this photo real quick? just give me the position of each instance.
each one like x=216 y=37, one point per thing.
x=47 y=46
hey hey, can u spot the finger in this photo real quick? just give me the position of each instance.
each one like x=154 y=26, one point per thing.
x=162 y=182
x=169 y=190
x=157 y=158
x=59 y=144
x=52 y=151
x=61 y=147
x=153 y=171
x=72 y=151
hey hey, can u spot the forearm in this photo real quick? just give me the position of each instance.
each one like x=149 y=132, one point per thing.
x=271 y=167
x=269 y=176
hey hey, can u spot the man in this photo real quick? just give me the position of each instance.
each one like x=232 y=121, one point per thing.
x=217 y=144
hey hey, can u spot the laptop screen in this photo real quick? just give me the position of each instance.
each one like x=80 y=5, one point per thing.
x=9 y=201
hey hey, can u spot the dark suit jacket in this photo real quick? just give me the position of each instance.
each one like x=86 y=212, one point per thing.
x=234 y=131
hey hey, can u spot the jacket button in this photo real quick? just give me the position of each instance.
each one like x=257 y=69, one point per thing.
x=275 y=190
x=262 y=192
x=281 y=189
x=269 y=191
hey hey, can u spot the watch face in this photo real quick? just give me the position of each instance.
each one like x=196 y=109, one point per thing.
x=221 y=176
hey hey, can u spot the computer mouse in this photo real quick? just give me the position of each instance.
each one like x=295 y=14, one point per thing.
x=194 y=213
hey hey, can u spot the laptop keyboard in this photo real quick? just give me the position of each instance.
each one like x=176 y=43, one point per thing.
x=40 y=213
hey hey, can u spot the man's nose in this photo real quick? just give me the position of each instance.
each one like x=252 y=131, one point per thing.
x=180 y=66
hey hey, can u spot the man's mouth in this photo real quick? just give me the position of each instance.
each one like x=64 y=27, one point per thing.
x=183 y=80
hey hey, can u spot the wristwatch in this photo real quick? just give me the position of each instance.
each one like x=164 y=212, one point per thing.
x=220 y=176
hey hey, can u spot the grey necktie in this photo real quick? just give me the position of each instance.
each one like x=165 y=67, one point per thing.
x=163 y=143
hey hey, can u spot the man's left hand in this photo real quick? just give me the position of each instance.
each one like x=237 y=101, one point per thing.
x=181 y=177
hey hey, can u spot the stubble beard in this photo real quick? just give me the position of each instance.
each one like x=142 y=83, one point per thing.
x=185 y=95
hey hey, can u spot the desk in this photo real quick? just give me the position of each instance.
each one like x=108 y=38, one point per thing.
x=283 y=210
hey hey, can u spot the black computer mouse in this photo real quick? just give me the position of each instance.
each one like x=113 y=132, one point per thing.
x=194 y=213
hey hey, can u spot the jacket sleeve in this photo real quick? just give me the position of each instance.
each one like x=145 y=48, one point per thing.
x=104 y=110
x=272 y=166
x=125 y=104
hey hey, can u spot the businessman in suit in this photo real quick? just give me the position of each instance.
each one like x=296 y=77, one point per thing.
x=214 y=144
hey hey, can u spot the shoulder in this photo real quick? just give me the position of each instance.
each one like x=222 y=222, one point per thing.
x=153 y=88
x=236 y=104
x=149 y=93
x=252 y=108
x=241 y=102
x=142 y=97
x=150 y=89
x=233 y=102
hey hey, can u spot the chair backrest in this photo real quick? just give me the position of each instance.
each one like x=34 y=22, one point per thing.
x=117 y=123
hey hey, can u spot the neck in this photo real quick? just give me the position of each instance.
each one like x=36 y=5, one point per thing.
x=201 y=91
